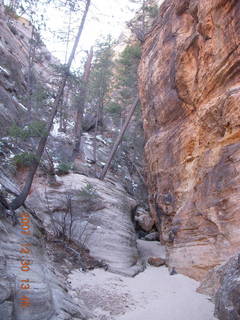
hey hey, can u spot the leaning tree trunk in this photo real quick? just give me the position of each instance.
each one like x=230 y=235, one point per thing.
x=119 y=139
x=80 y=108
x=20 y=199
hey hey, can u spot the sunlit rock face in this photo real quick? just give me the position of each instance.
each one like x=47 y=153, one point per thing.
x=189 y=81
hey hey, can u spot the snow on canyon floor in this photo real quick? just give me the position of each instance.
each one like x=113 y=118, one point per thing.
x=152 y=295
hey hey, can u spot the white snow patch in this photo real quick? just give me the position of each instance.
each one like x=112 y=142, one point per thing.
x=4 y=71
x=19 y=103
x=22 y=106
x=56 y=133
x=101 y=139
x=12 y=155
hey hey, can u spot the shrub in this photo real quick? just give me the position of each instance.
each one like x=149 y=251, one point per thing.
x=88 y=192
x=40 y=96
x=64 y=168
x=25 y=159
x=114 y=108
x=90 y=199
x=130 y=53
x=16 y=132
x=36 y=129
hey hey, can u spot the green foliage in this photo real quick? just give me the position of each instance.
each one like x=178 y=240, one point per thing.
x=36 y=129
x=126 y=76
x=130 y=54
x=64 y=168
x=25 y=159
x=101 y=74
x=114 y=108
x=90 y=199
x=89 y=192
x=40 y=96
x=16 y=132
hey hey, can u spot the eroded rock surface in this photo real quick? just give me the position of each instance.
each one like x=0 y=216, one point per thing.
x=223 y=284
x=47 y=293
x=190 y=94
x=100 y=218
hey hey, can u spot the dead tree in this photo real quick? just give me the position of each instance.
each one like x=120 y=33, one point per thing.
x=20 y=199
x=119 y=139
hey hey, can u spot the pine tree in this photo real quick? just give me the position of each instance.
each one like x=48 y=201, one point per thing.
x=100 y=77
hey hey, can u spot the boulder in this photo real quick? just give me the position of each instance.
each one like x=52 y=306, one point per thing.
x=156 y=262
x=151 y=249
x=145 y=222
x=154 y=236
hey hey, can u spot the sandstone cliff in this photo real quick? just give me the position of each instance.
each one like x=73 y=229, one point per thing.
x=15 y=39
x=190 y=94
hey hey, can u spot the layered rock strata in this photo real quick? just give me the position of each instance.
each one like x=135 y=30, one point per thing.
x=95 y=214
x=189 y=80
x=222 y=284
x=28 y=273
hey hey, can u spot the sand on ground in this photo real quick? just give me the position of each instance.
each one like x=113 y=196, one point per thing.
x=151 y=295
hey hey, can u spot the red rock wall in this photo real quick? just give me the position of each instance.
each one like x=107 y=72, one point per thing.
x=190 y=93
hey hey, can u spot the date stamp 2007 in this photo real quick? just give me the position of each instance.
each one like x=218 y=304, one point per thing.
x=25 y=260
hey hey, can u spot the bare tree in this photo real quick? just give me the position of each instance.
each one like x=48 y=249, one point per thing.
x=20 y=199
x=81 y=104
x=119 y=139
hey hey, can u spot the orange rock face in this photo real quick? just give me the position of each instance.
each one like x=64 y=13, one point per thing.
x=190 y=93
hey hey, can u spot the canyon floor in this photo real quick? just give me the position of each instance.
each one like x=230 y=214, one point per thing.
x=153 y=294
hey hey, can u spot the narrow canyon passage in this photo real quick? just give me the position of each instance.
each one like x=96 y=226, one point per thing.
x=152 y=294
x=119 y=160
